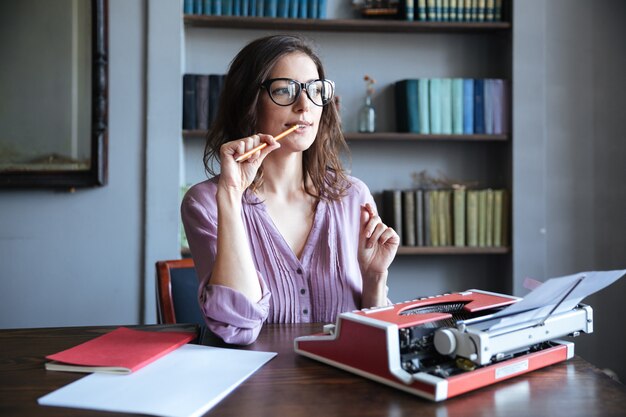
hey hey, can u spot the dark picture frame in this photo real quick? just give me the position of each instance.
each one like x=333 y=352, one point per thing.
x=97 y=172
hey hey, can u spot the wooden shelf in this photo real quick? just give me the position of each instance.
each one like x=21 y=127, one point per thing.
x=342 y=25
x=452 y=250
x=394 y=136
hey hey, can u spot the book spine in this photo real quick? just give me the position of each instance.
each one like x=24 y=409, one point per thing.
x=490 y=11
x=472 y=218
x=312 y=12
x=489 y=110
x=435 y=105
x=215 y=88
x=431 y=10
x=423 y=106
x=453 y=10
x=189 y=101
x=236 y=7
x=445 y=10
x=467 y=10
x=480 y=13
x=497 y=217
x=474 y=15
x=251 y=7
x=282 y=8
x=202 y=102
x=433 y=203
x=303 y=9
x=482 y=218
x=227 y=7
x=447 y=217
x=479 y=106
x=497 y=94
x=206 y=7
x=438 y=10
x=271 y=8
x=408 y=217
x=407 y=114
x=421 y=10
x=457 y=106
x=446 y=106
x=498 y=11
x=245 y=7
x=293 y=8
x=322 y=6
x=197 y=7
x=392 y=211
x=468 y=106
x=216 y=7
x=188 y=6
x=459 y=216
x=489 y=218
x=419 y=217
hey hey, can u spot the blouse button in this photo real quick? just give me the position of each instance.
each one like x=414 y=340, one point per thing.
x=305 y=311
x=299 y=271
x=302 y=291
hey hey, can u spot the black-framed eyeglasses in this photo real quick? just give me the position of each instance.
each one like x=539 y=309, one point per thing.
x=285 y=91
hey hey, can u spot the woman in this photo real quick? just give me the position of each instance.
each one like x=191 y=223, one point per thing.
x=284 y=236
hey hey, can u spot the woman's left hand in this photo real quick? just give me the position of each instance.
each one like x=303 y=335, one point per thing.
x=378 y=244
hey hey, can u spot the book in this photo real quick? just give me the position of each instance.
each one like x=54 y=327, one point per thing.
x=215 y=88
x=421 y=10
x=407 y=113
x=216 y=7
x=188 y=6
x=271 y=8
x=202 y=102
x=471 y=218
x=482 y=218
x=459 y=215
x=446 y=106
x=392 y=211
x=408 y=217
x=189 y=101
x=457 y=106
x=489 y=218
x=427 y=217
x=206 y=7
x=303 y=9
x=434 y=223
x=468 y=106
x=419 y=217
x=423 y=105
x=435 y=105
x=479 y=106
x=322 y=5
x=120 y=351
x=499 y=106
x=282 y=8
x=488 y=104
x=498 y=200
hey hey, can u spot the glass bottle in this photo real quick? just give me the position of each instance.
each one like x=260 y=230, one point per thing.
x=367 y=117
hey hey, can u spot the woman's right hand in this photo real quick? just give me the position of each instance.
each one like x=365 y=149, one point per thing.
x=237 y=176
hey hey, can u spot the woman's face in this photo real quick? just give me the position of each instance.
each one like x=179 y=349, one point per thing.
x=274 y=119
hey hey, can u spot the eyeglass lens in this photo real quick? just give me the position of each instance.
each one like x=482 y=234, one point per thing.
x=285 y=92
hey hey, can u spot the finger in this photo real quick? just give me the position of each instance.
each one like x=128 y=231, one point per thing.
x=370 y=209
x=389 y=236
x=371 y=225
x=376 y=234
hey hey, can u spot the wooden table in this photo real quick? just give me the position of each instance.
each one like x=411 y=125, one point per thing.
x=291 y=385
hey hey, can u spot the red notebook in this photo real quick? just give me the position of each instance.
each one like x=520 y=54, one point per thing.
x=121 y=351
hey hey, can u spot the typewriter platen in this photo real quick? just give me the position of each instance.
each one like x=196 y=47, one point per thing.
x=446 y=345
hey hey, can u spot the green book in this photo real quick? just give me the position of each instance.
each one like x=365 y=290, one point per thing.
x=457 y=106
x=435 y=105
x=489 y=218
x=446 y=106
x=423 y=105
x=459 y=215
x=482 y=218
x=472 y=218
x=442 y=215
x=433 y=204
x=497 y=217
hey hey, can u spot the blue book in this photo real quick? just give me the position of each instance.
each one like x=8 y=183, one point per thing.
x=271 y=8
x=293 y=8
x=188 y=7
x=421 y=10
x=423 y=106
x=488 y=100
x=245 y=7
x=435 y=105
x=479 y=106
x=206 y=6
x=251 y=7
x=499 y=107
x=303 y=9
x=283 y=8
x=312 y=12
x=260 y=8
x=321 y=8
x=227 y=7
x=216 y=7
x=468 y=106
x=457 y=106
x=407 y=113
x=446 y=106
x=197 y=6
x=236 y=7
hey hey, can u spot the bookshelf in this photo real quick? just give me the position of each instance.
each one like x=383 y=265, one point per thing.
x=470 y=155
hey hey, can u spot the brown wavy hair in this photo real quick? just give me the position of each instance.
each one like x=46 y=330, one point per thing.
x=237 y=116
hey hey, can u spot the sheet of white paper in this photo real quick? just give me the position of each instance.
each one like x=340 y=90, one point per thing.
x=542 y=300
x=184 y=383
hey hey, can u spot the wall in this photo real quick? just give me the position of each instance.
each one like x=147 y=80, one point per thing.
x=76 y=258
x=570 y=119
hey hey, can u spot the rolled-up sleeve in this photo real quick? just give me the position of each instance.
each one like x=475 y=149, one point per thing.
x=227 y=312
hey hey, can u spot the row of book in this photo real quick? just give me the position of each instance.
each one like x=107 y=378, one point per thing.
x=295 y=9
x=454 y=10
x=451 y=106
x=201 y=94
x=458 y=216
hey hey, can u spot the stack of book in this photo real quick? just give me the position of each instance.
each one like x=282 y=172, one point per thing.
x=295 y=9
x=458 y=216
x=458 y=10
x=200 y=99
x=452 y=106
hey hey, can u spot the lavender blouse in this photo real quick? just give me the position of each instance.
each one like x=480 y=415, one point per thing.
x=325 y=281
